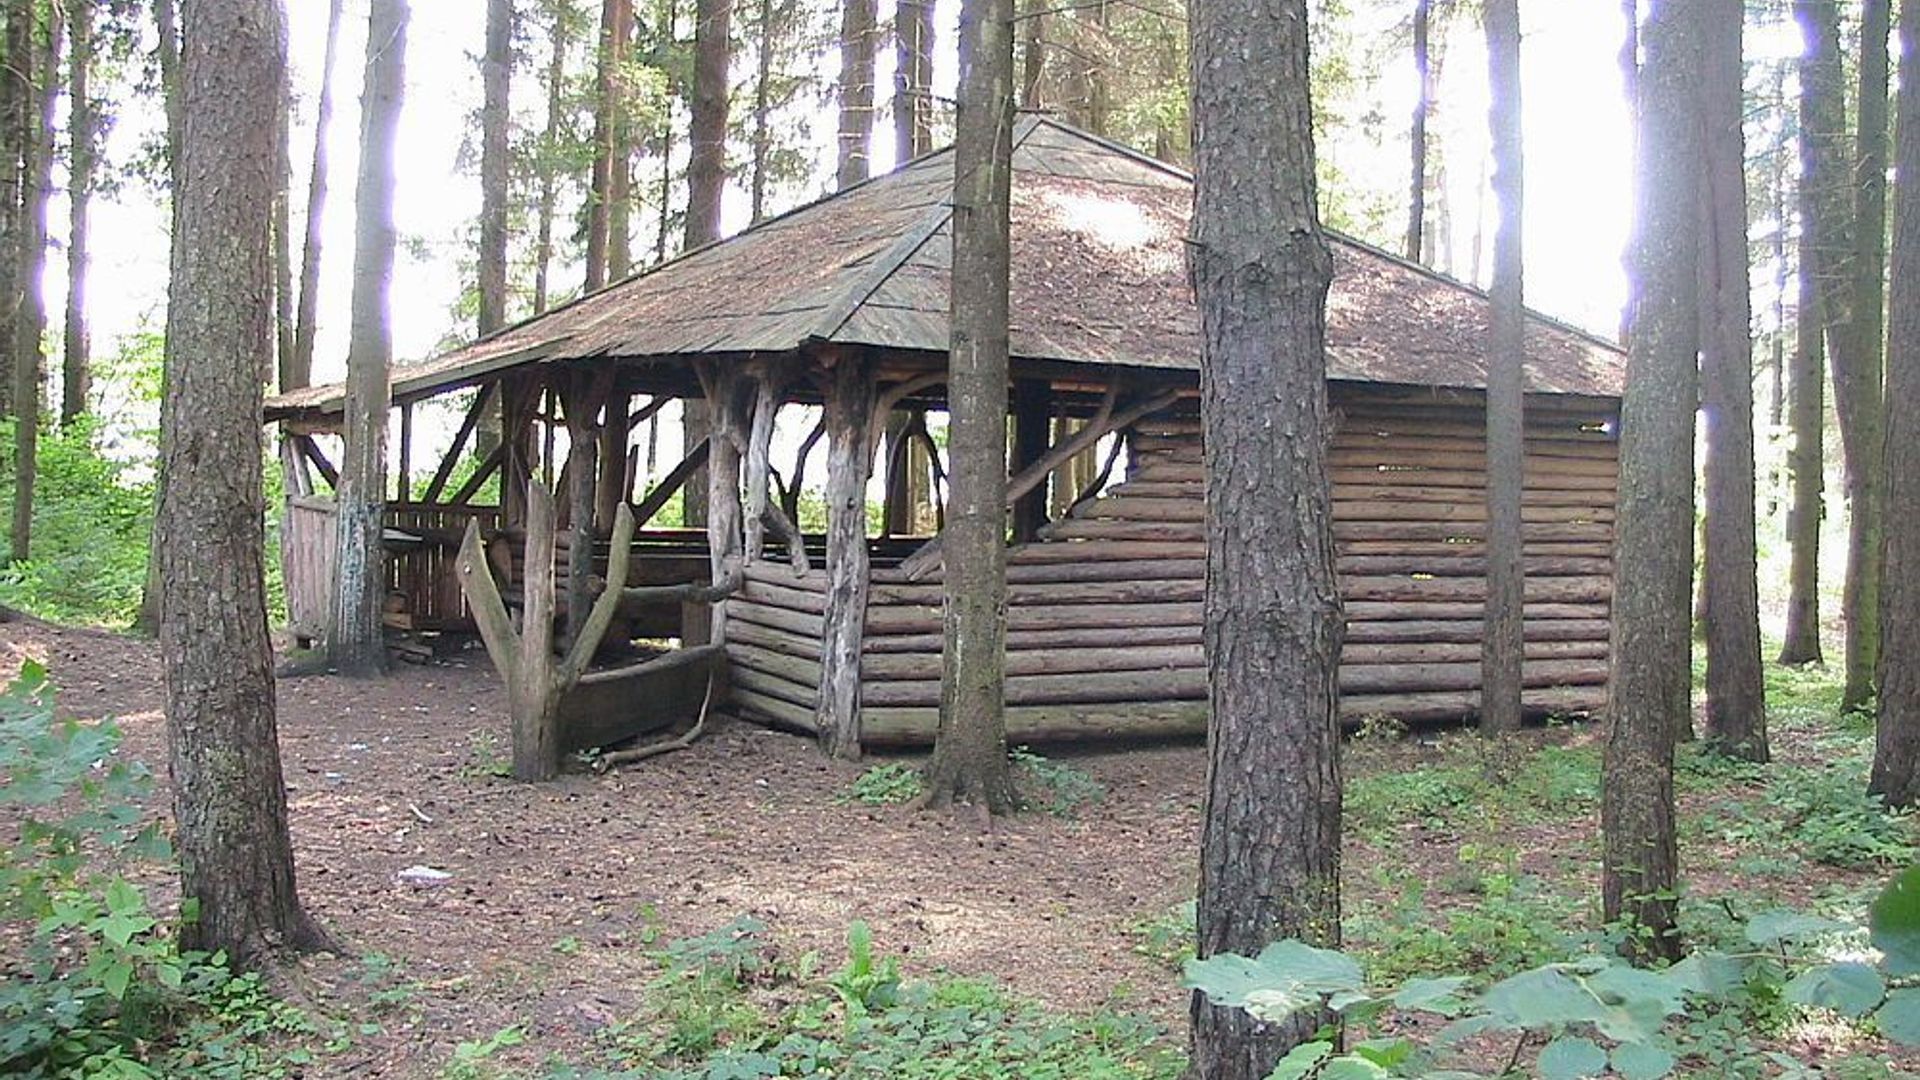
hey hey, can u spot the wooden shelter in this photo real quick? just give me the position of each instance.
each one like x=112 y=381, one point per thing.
x=841 y=305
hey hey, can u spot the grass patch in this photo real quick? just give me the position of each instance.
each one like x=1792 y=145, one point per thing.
x=883 y=785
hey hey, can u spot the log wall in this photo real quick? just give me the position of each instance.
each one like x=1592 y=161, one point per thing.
x=1104 y=610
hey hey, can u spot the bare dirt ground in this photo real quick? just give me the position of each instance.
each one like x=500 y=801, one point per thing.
x=558 y=889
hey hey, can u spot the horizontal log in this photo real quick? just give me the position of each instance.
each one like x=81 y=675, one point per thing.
x=794 y=622
x=1370 y=473
x=1087 y=569
x=1428 y=652
x=1146 y=591
x=781 y=573
x=897 y=727
x=783 y=642
x=773 y=686
x=1465 y=530
x=1418 y=590
x=1105 y=551
x=1026 y=639
x=1422 y=678
x=1472 y=628
x=1416 y=443
x=884 y=619
x=1458 y=510
x=1115 y=686
x=773 y=711
x=801 y=672
x=783 y=596
x=886 y=667
x=1469 y=563
x=1103 y=529
x=1460 y=704
x=1379 y=611
x=1476 y=461
x=1598 y=498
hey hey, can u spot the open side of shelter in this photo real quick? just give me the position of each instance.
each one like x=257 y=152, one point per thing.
x=836 y=314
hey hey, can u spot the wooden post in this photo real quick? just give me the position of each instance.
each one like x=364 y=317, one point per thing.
x=768 y=389
x=849 y=420
x=403 y=492
x=535 y=680
x=582 y=397
x=897 y=518
x=723 y=386
x=517 y=397
x=614 y=433
x=1032 y=408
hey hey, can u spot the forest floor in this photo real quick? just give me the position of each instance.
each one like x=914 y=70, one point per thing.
x=548 y=940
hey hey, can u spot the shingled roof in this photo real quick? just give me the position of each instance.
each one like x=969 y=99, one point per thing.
x=1099 y=277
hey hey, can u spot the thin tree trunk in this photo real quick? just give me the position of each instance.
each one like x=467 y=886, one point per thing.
x=307 y=323
x=82 y=124
x=1270 y=840
x=1033 y=53
x=707 y=160
x=620 y=161
x=616 y=28
x=285 y=329
x=913 y=62
x=856 y=92
x=230 y=803
x=496 y=74
x=40 y=68
x=1099 y=85
x=1648 y=695
x=355 y=645
x=1423 y=92
x=1806 y=388
x=1858 y=370
x=16 y=92
x=1500 y=704
x=1736 y=697
x=762 y=133
x=147 y=619
x=1896 y=755
x=969 y=761
x=549 y=142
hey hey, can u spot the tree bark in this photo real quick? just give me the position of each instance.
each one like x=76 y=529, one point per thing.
x=306 y=324
x=1857 y=382
x=609 y=145
x=1896 y=753
x=850 y=402
x=855 y=161
x=1648 y=695
x=230 y=803
x=1806 y=388
x=355 y=645
x=970 y=745
x=1736 y=696
x=1270 y=840
x=1033 y=53
x=147 y=619
x=1506 y=380
x=39 y=67
x=16 y=91
x=496 y=74
x=912 y=78
x=83 y=128
x=762 y=140
x=1423 y=93
x=707 y=161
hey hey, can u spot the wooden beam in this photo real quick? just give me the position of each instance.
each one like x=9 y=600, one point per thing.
x=488 y=464
x=1032 y=408
x=312 y=452
x=460 y=437
x=671 y=483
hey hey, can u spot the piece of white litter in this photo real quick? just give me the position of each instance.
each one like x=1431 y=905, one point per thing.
x=423 y=876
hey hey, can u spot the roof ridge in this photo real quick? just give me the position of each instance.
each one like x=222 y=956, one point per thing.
x=908 y=243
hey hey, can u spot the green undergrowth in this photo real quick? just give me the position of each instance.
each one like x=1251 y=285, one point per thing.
x=96 y=984
x=726 y=1007
x=1044 y=784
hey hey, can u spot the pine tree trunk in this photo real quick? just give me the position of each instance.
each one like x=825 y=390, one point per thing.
x=1736 y=697
x=556 y=93
x=1500 y=705
x=40 y=68
x=496 y=73
x=147 y=619
x=620 y=158
x=1033 y=53
x=14 y=89
x=1648 y=696
x=616 y=27
x=1806 y=397
x=762 y=132
x=1858 y=369
x=707 y=160
x=1269 y=851
x=969 y=761
x=1423 y=93
x=230 y=803
x=913 y=64
x=1896 y=755
x=856 y=92
x=355 y=645
x=285 y=329
x=306 y=324
x=77 y=363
